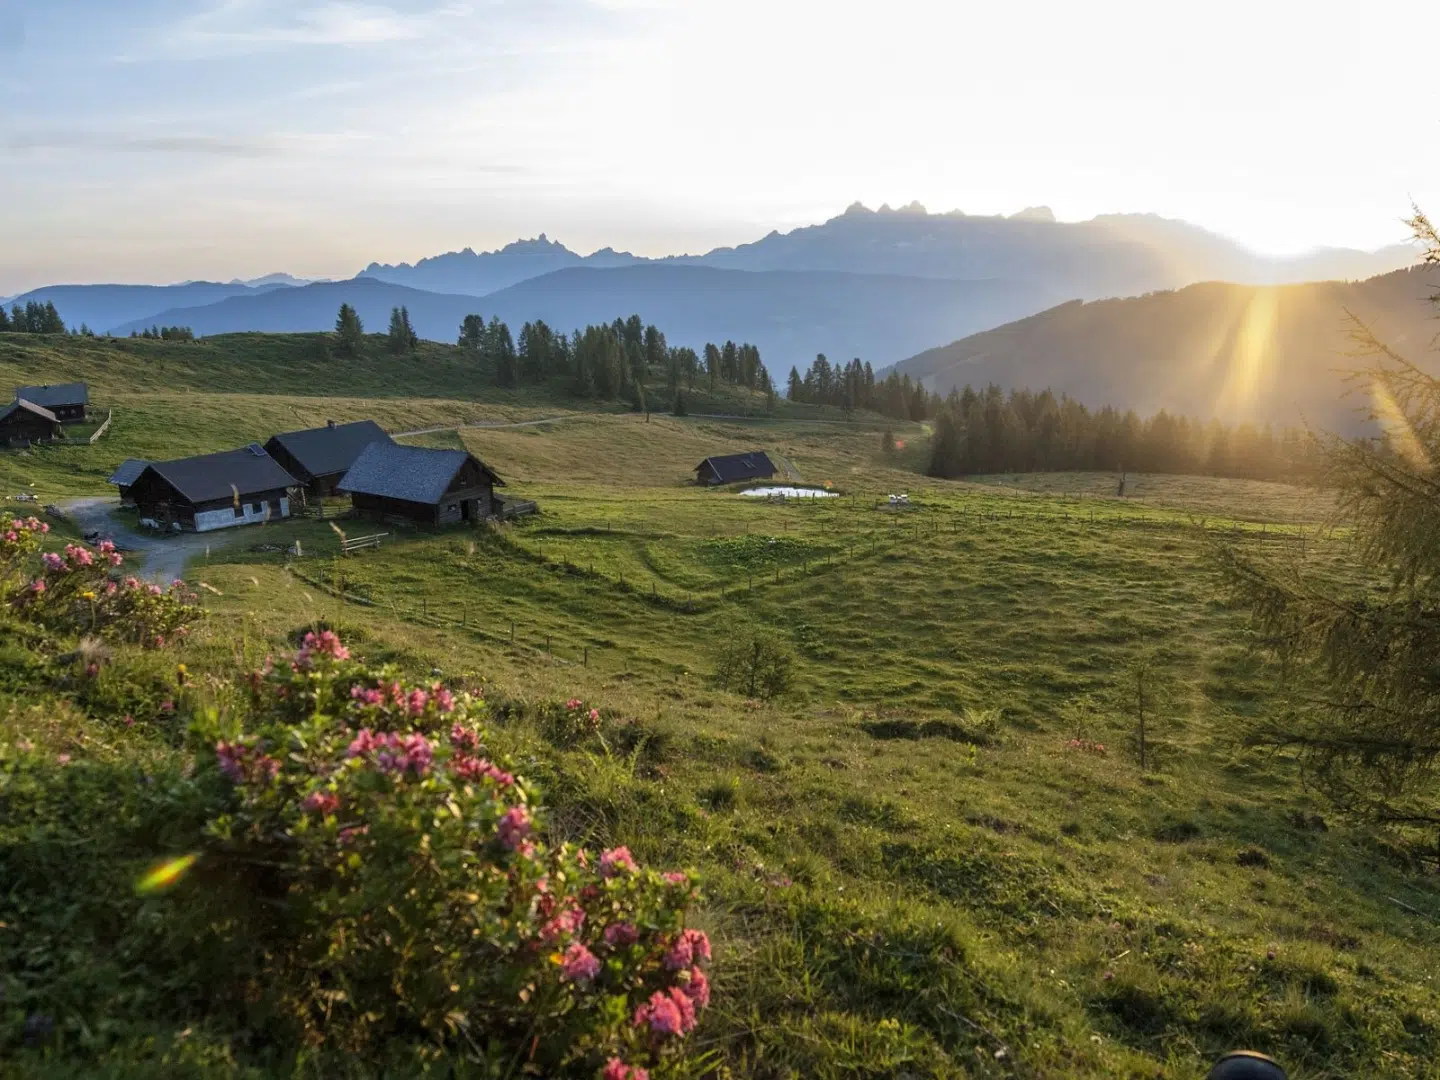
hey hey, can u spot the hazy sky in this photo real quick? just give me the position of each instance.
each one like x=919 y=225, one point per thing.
x=158 y=140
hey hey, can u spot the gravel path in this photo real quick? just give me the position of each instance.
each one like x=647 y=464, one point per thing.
x=163 y=555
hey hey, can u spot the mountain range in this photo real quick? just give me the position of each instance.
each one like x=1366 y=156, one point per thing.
x=881 y=284
x=1241 y=352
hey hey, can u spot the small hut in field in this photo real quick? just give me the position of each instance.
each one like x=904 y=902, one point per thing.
x=419 y=484
x=735 y=468
x=68 y=401
x=320 y=457
x=22 y=422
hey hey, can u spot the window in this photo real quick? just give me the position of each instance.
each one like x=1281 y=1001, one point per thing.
x=257 y=508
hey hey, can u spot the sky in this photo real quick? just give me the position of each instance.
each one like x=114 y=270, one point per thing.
x=158 y=141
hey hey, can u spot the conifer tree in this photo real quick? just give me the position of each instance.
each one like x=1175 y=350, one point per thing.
x=1358 y=664
x=397 y=338
x=349 y=331
x=472 y=333
x=4 y=320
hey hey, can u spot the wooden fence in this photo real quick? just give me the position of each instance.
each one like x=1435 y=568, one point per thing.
x=109 y=415
x=351 y=544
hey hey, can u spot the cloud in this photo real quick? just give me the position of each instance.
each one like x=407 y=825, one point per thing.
x=205 y=145
x=257 y=25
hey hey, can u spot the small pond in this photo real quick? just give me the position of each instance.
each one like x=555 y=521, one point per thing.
x=789 y=493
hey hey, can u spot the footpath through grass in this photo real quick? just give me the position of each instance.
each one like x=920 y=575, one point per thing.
x=918 y=862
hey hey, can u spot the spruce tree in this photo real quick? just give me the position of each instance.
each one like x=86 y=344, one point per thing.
x=349 y=331
x=1358 y=661
x=4 y=320
x=397 y=338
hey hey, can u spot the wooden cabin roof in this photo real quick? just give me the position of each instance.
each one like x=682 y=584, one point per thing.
x=415 y=474
x=28 y=406
x=324 y=451
x=72 y=393
x=220 y=476
x=729 y=468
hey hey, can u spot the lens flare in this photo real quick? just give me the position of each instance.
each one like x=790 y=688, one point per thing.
x=1253 y=352
x=165 y=875
x=1397 y=427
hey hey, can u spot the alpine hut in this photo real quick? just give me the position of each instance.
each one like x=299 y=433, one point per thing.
x=68 y=401
x=319 y=457
x=22 y=422
x=733 y=468
x=125 y=476
x=415 y=483
x=213 y=491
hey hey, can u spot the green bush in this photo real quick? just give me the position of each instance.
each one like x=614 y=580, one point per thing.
x=753 y=661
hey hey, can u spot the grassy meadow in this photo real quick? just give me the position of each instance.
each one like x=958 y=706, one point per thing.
x=912 y=869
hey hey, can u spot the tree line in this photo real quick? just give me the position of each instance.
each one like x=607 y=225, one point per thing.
x=992 y=431
x=33 y=318
x=609 y=361
x=853 y=386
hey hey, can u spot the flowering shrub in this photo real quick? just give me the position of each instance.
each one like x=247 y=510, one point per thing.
x=574 y=723
x=1086 y=746
x=420 y=893
x=75 y=592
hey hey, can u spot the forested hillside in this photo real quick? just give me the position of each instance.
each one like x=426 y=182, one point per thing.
x=1231 y=351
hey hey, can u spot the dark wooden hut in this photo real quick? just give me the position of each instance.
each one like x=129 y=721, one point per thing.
x=414 y=483
x=125 y=476
x=734 y=468
x=213 y=491
x=68 y=401
x=22 y=422
x=319 y=457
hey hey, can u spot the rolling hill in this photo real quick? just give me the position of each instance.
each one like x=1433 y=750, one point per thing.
x=789 y=315
x=1234 y=351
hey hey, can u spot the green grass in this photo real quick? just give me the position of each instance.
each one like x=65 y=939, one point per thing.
x=909 y=872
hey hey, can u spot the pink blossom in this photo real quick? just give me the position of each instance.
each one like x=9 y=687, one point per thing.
x=566 y=923
x=37 y=586
x=675 y=877
x=444 y=700
x=128 y=721
x=615 y=1069
x=580 y=964
x=92 y=669
x=462 y=738
x=514 y=827
x=417 y=702
x=323 y=802
x=115 y=558
x=229 y=755
x=52 y=561
x=666 y=1013
x=111 y=588
x=583 y=858
x=348 y=836
x=618 y=935
x=154 y=590
x=177 y=584
x=362 y=744
x=12 y=536
x=697 y=988
x=132 y=583
x=615 y=860
x=473 y=768
x=367 y=696
x=167 y=705
x=62 y=759
x=78 y=555
x=106 y=546
x=574 y=703
x=594 y=716
x=689 y=947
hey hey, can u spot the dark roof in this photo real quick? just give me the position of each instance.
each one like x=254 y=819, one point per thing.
x=411 y=473
x=219 y=476
x=29 y=406
x=70 y=393
x=128 y=472
x=326 y=450
x=733 y=467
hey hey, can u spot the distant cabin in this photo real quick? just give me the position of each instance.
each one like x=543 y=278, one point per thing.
x=68 y=401
x=23 y=422
x=414 y=483
x=319 y=457
x=125 y=476
x=734 y=468
x=213 y=491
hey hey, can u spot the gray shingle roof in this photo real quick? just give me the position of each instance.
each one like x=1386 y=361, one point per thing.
x=732 y=467
x=220 y=476
x=70 y=393
x=29 y=406
x=324 y=451
x=412 y=473
x=128 y=472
